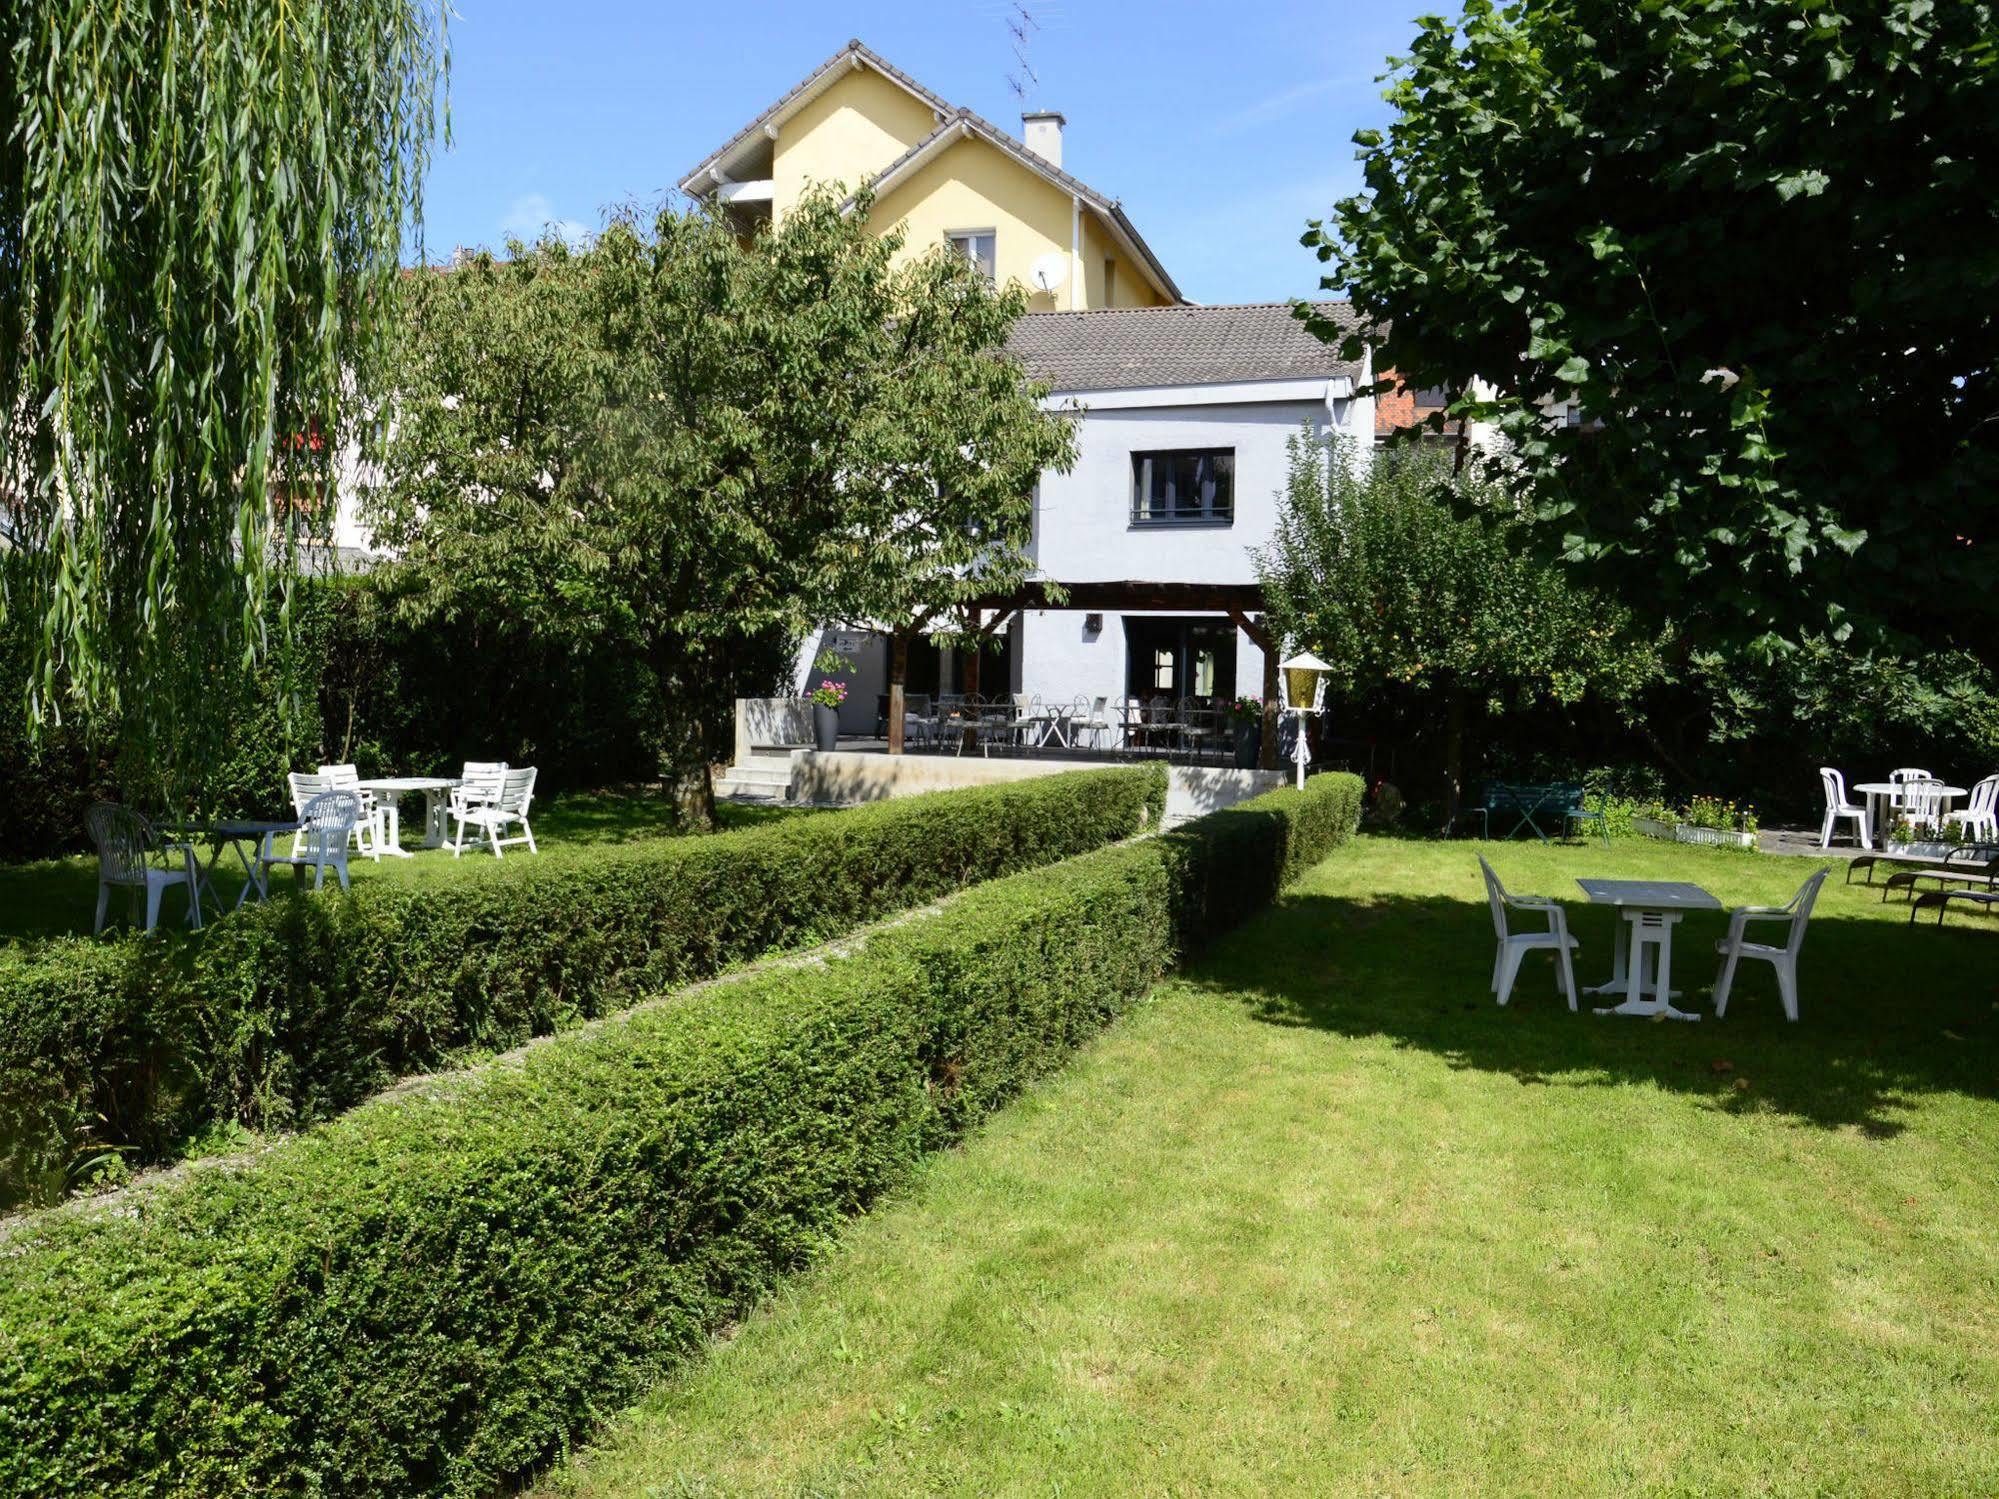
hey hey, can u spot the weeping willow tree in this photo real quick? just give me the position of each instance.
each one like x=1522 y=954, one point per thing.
x=202 y=210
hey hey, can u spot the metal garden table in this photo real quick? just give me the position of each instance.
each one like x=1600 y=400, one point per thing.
x=232 y=833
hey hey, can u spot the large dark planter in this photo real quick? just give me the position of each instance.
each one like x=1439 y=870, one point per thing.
x=825 y=727
x=1248 y=742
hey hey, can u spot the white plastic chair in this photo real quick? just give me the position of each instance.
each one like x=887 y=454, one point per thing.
x=1513 y=946
x=371 y=830
x=1908 y=773
x=1782 y=957
x=1922 y=804
x=493 y=818
x=130 y=855
x=1980 y=817
x=1838 y=807
x=479 y=782
x=326 y=826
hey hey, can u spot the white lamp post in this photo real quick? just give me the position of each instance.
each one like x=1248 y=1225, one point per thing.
x=1301 y=683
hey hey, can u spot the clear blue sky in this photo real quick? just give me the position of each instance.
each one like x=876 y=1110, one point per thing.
x=1222 y=124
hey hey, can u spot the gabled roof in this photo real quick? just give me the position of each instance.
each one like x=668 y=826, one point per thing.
x=1126 y=348
x=963 y=124
x=853 y=55
x=954 y=124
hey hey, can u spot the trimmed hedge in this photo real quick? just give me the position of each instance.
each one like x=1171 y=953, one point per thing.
x=292 y=1011
x=442 y=1288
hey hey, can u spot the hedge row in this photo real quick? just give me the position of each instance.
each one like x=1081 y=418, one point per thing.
x=292 y=1011
x=442 y=1288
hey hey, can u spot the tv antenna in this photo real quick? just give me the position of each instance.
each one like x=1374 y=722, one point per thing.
x=1020 y=29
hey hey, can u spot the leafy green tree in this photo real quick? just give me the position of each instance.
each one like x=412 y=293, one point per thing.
x=1411 y=581
x=1757 y=241
x=202 y=210
x=712 y=444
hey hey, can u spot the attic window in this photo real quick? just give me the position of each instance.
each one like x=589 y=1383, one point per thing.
x=977 y=246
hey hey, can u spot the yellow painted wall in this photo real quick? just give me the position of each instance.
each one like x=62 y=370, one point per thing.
x=863 y=122
x=849 y=133
x=972 y=185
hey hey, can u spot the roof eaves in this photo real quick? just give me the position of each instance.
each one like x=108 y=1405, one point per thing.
x=855 y=52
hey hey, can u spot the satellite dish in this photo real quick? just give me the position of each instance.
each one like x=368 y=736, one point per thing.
x=1050 y=271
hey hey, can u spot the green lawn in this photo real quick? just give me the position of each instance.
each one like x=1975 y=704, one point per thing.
x=51 y=897
x=1321 y=1218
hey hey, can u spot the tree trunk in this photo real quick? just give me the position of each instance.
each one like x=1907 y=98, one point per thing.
x=898 y=673
x=694 y=797
x=1454 y=756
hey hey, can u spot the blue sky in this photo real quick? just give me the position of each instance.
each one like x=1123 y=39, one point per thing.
x=1223 y=126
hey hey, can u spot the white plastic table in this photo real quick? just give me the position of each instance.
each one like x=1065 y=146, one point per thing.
x=1884 y=794
x=434 y=788
x=1652 y=908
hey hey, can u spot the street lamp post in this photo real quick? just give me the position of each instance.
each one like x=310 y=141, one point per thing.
x=1301 y=681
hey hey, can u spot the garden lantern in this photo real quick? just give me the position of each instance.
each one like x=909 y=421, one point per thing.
x=1301 y=680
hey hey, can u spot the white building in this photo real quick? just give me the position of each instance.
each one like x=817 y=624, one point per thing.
x=1181 y=461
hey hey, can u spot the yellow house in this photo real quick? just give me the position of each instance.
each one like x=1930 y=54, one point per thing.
x=940 y=175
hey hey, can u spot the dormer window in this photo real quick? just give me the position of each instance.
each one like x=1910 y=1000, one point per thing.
x=977 y=246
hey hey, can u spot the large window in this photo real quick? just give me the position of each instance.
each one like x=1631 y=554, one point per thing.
x=977 y=246
x=1195 y=487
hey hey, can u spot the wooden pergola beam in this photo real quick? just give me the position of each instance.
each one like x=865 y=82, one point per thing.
x=1200 y=598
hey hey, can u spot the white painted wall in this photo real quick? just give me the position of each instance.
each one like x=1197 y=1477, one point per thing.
x=1083 y=529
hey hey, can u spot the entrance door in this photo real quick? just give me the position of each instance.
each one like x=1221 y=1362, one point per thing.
x=1179 y=658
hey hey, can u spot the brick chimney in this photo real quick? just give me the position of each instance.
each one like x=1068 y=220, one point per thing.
x=1041 y=131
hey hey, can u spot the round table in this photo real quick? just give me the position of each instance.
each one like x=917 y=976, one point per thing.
x=434 y=788
x=1883 y=794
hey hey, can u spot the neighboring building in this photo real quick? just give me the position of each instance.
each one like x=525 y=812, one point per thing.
x=941 y=175
x=1181 y=462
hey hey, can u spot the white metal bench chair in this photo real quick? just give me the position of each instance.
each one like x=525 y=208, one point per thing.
x=131 y=856
x=1783 y=957
x=1513 y=946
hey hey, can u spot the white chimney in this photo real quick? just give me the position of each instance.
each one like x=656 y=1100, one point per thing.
x=1041 y=130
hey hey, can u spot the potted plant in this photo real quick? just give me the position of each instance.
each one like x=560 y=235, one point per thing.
x=1245 y=716
x=1654 y=819
x=1718 y=823
x=826 y=700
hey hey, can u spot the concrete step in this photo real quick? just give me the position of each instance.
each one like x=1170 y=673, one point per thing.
x=762 y=778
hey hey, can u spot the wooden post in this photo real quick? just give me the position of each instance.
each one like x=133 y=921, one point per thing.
x=974 y=618
x=1258 y=631
x=1266 y=755
x=898 y=673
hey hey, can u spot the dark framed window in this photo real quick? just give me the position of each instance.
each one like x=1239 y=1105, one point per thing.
x=1195 y=486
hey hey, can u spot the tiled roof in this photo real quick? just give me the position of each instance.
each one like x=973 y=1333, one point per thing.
x=1119 y=348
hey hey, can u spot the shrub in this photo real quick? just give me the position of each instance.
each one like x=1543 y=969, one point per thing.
x=289 y=1012
x=445 y=1286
